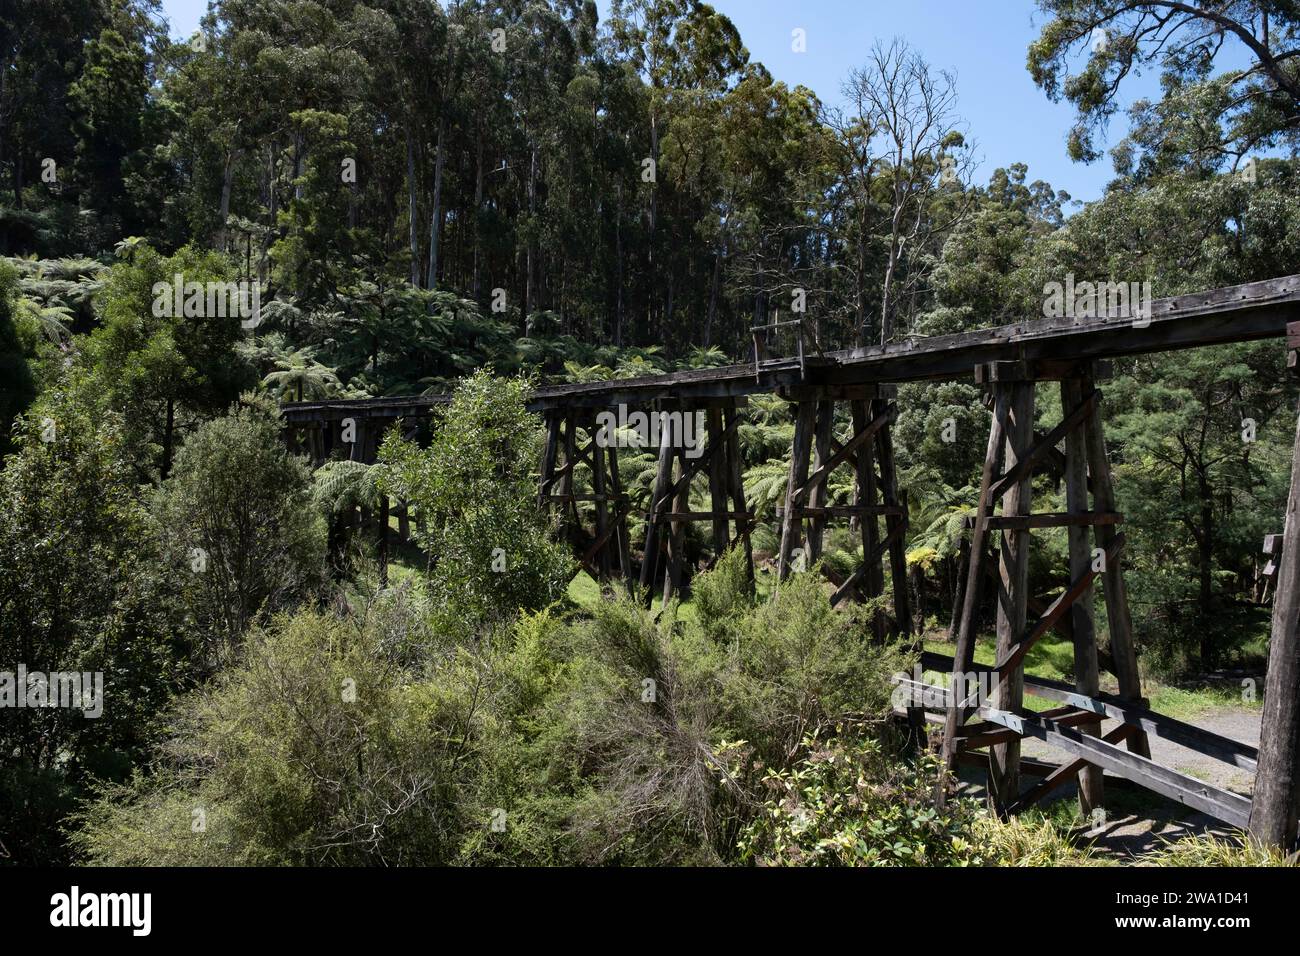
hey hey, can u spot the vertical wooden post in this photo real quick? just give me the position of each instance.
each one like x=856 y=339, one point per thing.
x=735 y=470
x=677 y=533
x=865 y=494
x=1276 y=803
x=620 y=519
x=1004 y=759
x=818 y=497
x=602 y=506
x=791 y=523
x=1087 y=678
x=548 y=458
x=964 y=654
x=717 y=479
x=357 y=451
x=895 y=525
x=663 y=481
x=959 y=586
x=568 y=483
x=1120 y=624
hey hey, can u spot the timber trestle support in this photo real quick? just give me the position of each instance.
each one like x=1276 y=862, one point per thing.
x=868 y=449
x=600 y=509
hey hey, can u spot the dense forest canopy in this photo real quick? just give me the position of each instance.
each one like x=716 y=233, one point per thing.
x=428 y=195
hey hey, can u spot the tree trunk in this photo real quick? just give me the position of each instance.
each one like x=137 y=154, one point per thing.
x=1273 y=810
x=1205 y=561
x=413 y=207
x=478 y=215
x=530 y=256
x=227 y=185
x=618 y=266
x=435 y=221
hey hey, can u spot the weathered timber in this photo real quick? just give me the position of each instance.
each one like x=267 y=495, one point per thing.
x=1232 y=314
x=1050 y=519
x=965 y=650
x=1231 y=808
x=1273 y=819
x=1087 y=673
x=1123 y=650
x=792 y=524
x=1117 y=708
x=895 y=523
x=1064 y=773
x=1004 y=759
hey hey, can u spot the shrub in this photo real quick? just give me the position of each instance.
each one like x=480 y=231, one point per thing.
x=317 y=749
x=235 y=526
x=79 y=592
x=851 y=802
x=489 y=549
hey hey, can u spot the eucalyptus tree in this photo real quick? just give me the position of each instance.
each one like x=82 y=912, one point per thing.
x=1231 y=61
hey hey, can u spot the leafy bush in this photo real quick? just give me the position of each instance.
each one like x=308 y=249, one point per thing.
x=851 y=802
x=79 y=592
x=489 y=549
x=236 y=528
x=317 y=749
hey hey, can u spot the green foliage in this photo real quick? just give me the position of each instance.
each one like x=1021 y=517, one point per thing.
x=850 y=802
x=619 y=737
x=235 y=526
x=79 y=591
x=488 y=547
x=17 y=385
x=316 y=749
x=1209 y=850
x=164 y=373
x=1024 y=841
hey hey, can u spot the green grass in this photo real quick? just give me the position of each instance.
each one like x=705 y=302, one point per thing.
x=1053 y=658
x=584 y=591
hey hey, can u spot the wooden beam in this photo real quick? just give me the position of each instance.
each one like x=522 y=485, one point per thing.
x=1147 y=721
x=845 y=451
x=1004 y=759
x=791 y=524
x=1232 y=314
x=1025 y=464
x=965 y=649
x=846 y=511
x=1058 y=607
x=817 y=495
x=1087 y=674
x=1119 y=623
x=1063 y=774
x=872 y=559
x=1050 y=519
x=1224 y=805
x=1277 y=784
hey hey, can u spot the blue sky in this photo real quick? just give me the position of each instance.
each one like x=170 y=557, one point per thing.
x=982 y=41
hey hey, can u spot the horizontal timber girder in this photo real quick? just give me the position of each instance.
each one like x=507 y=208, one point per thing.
x=1239 y=313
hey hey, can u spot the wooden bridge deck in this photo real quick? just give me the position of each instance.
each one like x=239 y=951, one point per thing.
x=1239 y=313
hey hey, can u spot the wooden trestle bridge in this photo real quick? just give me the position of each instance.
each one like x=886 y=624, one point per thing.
x=1011 y=362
